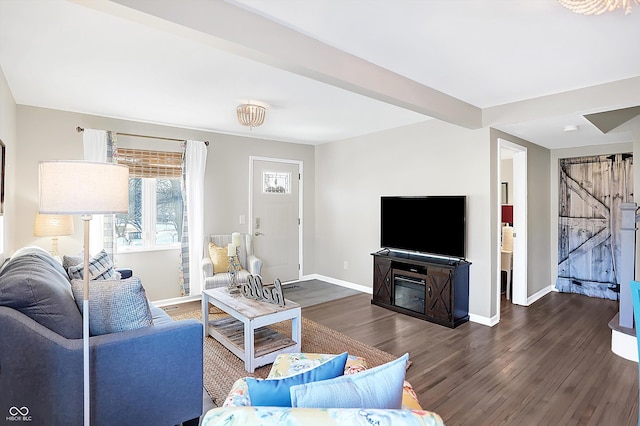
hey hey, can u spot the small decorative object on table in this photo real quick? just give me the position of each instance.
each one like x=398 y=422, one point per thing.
x=234 y=267
x=271 y=293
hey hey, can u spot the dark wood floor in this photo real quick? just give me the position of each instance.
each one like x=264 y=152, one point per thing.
x=546 y=364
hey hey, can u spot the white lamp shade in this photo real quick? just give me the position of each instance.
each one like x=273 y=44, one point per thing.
x=53 y=225
x=82 y=187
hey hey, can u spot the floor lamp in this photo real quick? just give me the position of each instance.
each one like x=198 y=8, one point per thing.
x=84 y=188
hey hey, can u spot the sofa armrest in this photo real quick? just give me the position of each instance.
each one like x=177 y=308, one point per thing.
x=151 y=375
x=125 y=273
x=207 y=267
x=254 y=265
x=154 y=371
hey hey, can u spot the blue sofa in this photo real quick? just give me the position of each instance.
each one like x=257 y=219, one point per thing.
x=146 y=376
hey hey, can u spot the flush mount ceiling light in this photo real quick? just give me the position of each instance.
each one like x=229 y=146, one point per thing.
x=251 y=115
x=598 y=7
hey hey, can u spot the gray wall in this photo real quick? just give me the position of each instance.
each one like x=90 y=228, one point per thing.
x=429 y=158
x=46 y=134
x=538 y=236
x=342 y=187
x=8 y=136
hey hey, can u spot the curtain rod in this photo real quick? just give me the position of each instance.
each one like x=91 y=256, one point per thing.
x=80 y=129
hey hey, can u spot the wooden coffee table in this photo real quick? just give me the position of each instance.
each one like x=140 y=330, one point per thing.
x=245 y=333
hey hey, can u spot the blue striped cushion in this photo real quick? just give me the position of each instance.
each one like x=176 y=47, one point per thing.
x=100 y=268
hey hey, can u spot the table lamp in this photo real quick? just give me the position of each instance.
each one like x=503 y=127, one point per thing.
x=85 y=188
x=54 y=226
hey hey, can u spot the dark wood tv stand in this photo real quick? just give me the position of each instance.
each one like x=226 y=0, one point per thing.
x=429 y=288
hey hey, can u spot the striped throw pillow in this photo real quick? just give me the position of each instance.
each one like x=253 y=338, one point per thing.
x=100 y=268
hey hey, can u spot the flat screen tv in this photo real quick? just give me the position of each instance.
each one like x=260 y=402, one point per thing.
x=432 y=225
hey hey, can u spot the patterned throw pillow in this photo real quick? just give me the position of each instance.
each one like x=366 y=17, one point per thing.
x=114 y=305
x=219 y=258
x=100 y=268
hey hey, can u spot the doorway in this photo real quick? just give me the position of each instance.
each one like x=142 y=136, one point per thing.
x=275 y=206
x=518 y=200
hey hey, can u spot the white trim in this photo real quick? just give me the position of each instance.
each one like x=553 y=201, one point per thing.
x=540 y=294
x=519 y=277
x=300 y=164
x=624 y=345
x=175 y=300
x=479 y=319
x=341 y=283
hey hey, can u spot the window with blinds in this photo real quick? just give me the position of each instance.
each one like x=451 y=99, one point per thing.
x=150 y=164
x=155 y=212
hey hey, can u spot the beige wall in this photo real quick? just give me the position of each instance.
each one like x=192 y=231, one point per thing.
x=8 y=137
x=46 y=134
x=429 y=158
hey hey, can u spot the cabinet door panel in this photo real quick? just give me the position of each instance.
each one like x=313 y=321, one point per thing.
x=382 y=280
x=439 y=293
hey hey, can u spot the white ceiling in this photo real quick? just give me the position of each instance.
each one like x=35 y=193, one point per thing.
x=100 y=57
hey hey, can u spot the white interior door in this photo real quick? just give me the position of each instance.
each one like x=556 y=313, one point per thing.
x=276 y=218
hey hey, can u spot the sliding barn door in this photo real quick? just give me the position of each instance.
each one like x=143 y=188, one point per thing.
x=591 y=191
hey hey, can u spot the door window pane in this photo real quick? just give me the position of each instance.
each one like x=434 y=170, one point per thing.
x=276 y=183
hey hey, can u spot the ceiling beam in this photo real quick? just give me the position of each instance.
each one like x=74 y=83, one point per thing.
x=238 y=31
x=609 y=120
x=602 y=97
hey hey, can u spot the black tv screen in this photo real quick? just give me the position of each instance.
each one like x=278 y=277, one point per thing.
x=434 y=225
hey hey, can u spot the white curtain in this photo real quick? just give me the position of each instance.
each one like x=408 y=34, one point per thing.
x=95 y=149
x=195 y=163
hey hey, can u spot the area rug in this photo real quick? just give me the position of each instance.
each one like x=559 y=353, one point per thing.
x=222 y=368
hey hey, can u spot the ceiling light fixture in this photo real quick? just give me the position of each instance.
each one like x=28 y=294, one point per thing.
x=571 y=128
x=598 y=7
x=251 y=115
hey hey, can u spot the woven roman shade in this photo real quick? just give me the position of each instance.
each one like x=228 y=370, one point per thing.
x=150 y=164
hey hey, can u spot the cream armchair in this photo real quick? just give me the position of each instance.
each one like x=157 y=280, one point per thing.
x=251 y=265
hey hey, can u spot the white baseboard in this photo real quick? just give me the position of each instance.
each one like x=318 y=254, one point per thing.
x=341 y=283
x=479 y=319
x=175 y=301
x=540 y=294
x=624 y=345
